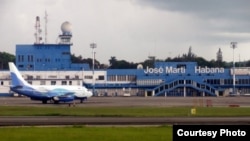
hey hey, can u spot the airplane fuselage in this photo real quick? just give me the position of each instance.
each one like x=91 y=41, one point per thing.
x=55 y=93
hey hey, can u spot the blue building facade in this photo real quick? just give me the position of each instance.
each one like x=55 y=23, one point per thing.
x=164 y=79
x=176 y=79
x=46 y=57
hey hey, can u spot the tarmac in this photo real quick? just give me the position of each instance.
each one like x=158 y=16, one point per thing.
x=127 y=102
x=238 y=101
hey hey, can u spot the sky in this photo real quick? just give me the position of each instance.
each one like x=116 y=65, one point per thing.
x=132 y=30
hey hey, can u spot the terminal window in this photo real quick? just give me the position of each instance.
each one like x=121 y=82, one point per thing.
x=53 y=82
x=88 y=77
x=101 y=77
x=42 y=82
x=64 y=82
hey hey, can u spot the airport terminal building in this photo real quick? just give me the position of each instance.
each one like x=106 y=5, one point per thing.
x=50 y=64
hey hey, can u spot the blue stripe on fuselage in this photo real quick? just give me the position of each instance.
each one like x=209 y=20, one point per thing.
x=60 y=92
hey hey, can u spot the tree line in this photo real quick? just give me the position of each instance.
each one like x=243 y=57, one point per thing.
x=114 y=63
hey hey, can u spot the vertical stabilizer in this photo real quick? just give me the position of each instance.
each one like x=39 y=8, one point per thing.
x=16 y=77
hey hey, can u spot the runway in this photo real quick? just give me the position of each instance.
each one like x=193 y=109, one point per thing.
x=57 y=120
x=127 y=102
x=136 y=101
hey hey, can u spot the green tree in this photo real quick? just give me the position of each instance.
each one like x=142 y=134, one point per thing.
x=120 y=64
x=79 y=59
x=4 y=59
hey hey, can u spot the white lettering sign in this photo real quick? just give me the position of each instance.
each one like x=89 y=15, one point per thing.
x=208 y=70
x=174 y=70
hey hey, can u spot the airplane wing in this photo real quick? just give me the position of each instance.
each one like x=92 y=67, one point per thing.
x=45 y=94
x=41 y=91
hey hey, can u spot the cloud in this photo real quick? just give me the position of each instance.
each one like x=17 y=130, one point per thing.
x=131 y=29
x=227 y=14
x=235 y=9
x=212 y=23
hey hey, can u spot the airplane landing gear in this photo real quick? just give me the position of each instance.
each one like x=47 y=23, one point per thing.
x=44 y=101
x=83 y=99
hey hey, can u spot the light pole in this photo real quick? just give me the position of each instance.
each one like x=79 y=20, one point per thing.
x=93 y=46
x=233 y=45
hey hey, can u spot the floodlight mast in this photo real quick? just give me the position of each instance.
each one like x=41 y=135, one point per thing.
x=93 y=46
x=233 y=46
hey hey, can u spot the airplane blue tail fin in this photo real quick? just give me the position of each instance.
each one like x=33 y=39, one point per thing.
x=16 y=77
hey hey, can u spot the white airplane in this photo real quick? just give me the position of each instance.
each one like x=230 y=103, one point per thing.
x=45 y=93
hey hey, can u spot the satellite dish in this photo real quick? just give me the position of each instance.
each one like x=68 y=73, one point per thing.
x=139 y=66
x=66 y=27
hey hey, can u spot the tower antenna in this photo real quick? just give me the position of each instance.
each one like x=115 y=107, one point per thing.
x=38 y=31
x=45 y=32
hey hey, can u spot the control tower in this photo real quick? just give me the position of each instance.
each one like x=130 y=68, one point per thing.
x=48 y=56
x=66 y=35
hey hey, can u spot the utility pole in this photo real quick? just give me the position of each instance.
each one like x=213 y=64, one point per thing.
x=93 y=46
x=233 y=46
x=46 y=22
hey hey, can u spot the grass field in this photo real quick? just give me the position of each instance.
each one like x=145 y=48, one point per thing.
x=81 y=133
x=124 y=111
